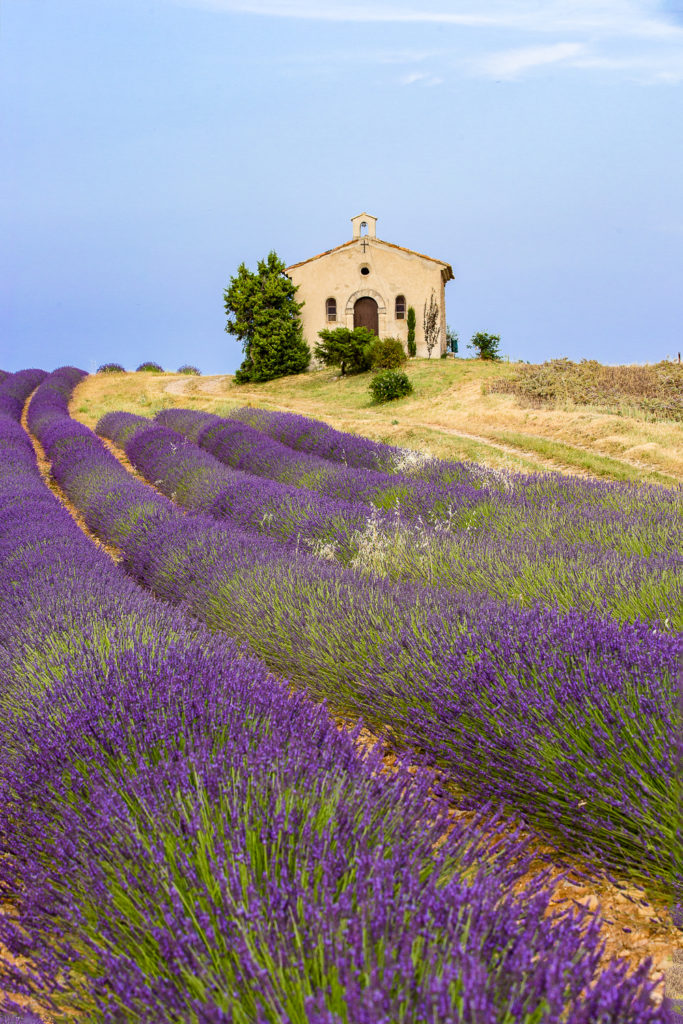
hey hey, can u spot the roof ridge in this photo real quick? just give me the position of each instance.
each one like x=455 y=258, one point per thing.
x=353 y=241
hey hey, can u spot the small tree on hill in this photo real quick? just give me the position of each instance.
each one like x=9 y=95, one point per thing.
x=485 y=345
x=431 y=324
x=350 y=350
x=263 y=313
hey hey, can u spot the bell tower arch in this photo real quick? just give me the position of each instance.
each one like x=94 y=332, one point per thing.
x=364 y=225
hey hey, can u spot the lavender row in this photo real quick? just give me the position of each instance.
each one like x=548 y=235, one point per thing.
x=15 y=389
x=198 y=481
x=522 y=566
x=244 y=447
x=627 y=518
x=566 y=497
x=568 y=719
x=192 y=842
x=316 y=438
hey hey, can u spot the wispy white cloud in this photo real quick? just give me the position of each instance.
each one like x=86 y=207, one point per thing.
x=666 y=68
x=641 y=39
x=421 y=78
x=646 y=18
x=512 y=63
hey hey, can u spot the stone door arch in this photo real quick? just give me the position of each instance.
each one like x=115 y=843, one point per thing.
x=366 y=314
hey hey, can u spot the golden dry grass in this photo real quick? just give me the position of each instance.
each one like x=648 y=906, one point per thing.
x=449 y=415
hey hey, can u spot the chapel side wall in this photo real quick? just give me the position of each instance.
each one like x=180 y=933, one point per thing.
x=432 y=280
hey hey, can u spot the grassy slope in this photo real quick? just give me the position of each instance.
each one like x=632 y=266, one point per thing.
x=447 y=415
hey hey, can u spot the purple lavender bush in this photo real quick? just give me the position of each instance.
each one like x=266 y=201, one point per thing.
x=16 y=387
x=198 y=481
x=191 y=841
x=568 y=719
x=316 y=438
x=600 y=547
x=243 y=447
x=455 y=676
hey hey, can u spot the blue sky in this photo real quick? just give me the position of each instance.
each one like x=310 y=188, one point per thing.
x=153 y=145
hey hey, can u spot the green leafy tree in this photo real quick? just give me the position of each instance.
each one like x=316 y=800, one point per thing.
x=485 y=345
x=263 y=313
x=412 y=344
x=350 y=350
x=452 y=340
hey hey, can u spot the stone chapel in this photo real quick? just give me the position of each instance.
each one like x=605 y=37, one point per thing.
x=367 y=282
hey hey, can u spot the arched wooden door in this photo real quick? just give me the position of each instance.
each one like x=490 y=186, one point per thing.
x=366 y=314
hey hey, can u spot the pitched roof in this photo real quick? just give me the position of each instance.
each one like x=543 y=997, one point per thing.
x=354 y=241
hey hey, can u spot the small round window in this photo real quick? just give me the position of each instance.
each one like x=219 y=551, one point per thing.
x=365 y=270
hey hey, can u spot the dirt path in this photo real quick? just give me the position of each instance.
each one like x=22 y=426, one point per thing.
x=45 y=470
x=550 y=463
x=632 y=928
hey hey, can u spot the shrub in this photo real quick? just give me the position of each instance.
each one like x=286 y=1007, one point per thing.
x=655 y=389
x=110 y=368
x=186 y=368
x=350 y=350
x=390 y=384
x=486 y=345
x=412 y=344
x=387 y=354
x=150 y=368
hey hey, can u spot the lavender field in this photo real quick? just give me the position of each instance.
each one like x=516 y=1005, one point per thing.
x=189 y=836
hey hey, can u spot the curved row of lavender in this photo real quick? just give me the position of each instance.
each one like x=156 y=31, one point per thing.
x=580 y=509
x=568 y=719
x=16 y=387
x=607 y=580
x=242 y=446
x=202 y=483
x=193 y=842
x=614 y=549
x=316 y=438
x=242 y=439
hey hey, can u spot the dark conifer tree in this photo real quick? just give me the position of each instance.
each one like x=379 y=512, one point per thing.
x=263 y=313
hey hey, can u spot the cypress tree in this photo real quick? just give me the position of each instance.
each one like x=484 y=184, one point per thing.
x=412 y=346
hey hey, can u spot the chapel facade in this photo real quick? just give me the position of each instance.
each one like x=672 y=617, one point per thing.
x=367 y=282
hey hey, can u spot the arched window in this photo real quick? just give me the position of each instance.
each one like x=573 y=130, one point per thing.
x=400 y=307
x=331 y=309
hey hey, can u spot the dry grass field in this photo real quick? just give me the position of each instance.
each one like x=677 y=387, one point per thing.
x=453 y=413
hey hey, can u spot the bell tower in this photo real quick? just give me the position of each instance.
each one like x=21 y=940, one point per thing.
x=364 y=225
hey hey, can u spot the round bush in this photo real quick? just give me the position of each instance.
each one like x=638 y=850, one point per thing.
x=387 y=354
x=186 y=368
x=390 y=384
x=110 y=368
x=150 y=368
